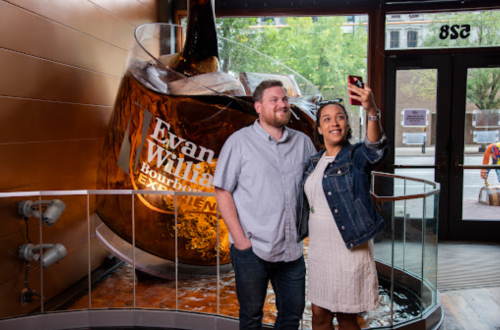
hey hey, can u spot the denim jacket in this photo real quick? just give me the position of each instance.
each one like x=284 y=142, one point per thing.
x=346 y=184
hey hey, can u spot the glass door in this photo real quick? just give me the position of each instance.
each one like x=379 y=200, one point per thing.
x=443 y=119
x=475 y=180
x=417 y=123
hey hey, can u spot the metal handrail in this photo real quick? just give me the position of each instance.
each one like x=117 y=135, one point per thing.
x=479 y=167
x=103 y=192
x=435 y=185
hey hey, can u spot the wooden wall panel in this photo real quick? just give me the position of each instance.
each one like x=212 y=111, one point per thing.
x=74 y=181
x=69 y=230
x=12 y=265
x=74 y=267
x=31 y=162
x=151 y=4
x=76 y=13
x=76 y=210
x=27 y=120
x=10 y=293
x=32 y=77
x=61 y=62
x=12 y=223
x=131 y=11
x=26 y=33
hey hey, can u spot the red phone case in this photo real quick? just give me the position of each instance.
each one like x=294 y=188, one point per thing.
x=352 y=80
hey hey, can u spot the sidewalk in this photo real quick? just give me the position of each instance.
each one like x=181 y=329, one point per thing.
x=430 y=151
x=473 y=210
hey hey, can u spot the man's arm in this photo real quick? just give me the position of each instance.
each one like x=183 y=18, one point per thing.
x=228 y=211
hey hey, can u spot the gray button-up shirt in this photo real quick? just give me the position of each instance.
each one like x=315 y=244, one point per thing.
x=265 y=178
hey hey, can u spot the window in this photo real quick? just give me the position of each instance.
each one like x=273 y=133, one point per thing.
x=412 y=39
x=433 y=30
x=394 y=41
x=352 y=41
x=264 y=20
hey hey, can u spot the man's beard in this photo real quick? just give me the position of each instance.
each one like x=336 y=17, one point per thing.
x=280 y=122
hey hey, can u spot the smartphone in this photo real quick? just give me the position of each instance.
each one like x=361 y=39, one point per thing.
x=358 y=81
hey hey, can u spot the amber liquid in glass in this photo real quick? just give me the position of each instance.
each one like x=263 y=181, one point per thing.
x=196 y=128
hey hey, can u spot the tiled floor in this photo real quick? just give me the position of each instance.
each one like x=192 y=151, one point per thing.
x=468 y=279
x=466 y=309
x=469 y=282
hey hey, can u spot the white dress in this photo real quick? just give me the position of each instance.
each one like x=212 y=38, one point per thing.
x=339 y=279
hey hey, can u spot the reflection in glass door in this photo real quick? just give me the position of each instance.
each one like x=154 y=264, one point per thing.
x=418 y=94
x=415 y=134
x=443 y=116
x=415 y=122
x=481 y=187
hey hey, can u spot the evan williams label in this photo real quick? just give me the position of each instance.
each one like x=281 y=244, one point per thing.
x=170 y=159
x=171 y=172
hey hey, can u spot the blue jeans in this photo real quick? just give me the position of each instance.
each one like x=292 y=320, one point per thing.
x=252 y=275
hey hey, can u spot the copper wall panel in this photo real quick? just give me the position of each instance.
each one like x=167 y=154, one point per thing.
x=60 y=62
x=13 y=223
x=76 y=13
x=151 y=4
x=131 y=11
x=35 y=162
x=80 y=181
x=27 y=33
x=77 y=181
x=12 y=265
x=70 y=230
x=23 y=118
x=10 y=293
x=95 y=221
x=31 y=77
x=74 y=268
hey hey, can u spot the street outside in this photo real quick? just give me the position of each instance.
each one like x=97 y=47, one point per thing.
x=472 y=180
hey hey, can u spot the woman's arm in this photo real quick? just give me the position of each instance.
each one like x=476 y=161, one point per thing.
x=374 y=150
x=373 y=128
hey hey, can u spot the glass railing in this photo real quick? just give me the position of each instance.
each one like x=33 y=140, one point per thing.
x=406 y=251
x=99 y=269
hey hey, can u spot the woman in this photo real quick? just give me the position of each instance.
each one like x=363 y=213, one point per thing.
x=340 y=217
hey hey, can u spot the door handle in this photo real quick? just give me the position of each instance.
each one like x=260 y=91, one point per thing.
x=442 y=165
x=457 y=166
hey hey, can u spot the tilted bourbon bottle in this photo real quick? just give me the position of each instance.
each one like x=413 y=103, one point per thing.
x=200 y=53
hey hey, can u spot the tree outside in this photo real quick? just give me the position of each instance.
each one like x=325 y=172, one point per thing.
x=321 y=49
x=482 y=85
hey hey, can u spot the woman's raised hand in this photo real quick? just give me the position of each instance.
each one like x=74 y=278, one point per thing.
x=365 y=96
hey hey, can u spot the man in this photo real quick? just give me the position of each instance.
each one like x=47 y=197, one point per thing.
x=258 y=181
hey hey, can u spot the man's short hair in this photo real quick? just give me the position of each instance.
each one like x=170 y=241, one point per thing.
x=259 y=90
